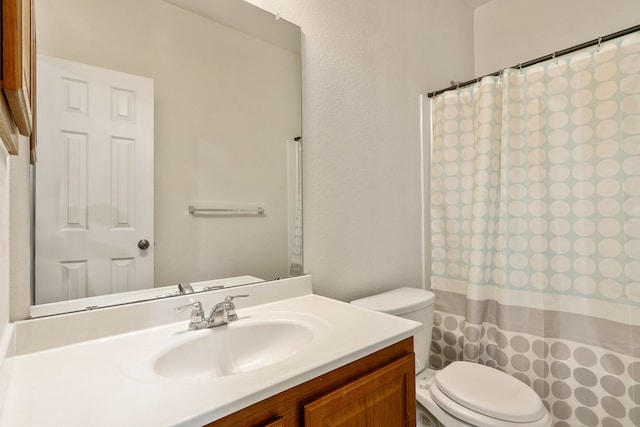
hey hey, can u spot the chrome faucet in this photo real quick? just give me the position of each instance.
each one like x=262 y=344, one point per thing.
x=221 y=314
x=183 y=288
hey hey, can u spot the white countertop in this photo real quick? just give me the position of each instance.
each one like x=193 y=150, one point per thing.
x=96 y=383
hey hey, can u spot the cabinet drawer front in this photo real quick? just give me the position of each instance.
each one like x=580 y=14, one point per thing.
x=383 y=398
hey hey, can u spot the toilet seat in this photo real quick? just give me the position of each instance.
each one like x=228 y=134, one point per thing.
x=477 y=395
x=490 y=392
x=473 y=418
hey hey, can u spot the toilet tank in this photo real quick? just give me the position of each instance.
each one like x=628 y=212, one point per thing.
x=409 y=303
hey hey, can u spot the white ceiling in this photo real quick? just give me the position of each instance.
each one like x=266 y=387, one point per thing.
x=476 y=3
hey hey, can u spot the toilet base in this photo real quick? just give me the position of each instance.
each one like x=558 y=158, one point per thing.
x=425 y=418
x=426 y=410
x=424 y=403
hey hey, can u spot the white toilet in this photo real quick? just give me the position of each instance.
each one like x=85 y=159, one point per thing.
x=463 y=394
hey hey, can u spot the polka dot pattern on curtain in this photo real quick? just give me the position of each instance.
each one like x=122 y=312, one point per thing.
x=543 y=193
x=535 y=217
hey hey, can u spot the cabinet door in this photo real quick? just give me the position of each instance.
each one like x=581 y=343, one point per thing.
x=383 y=398
x=16 y=61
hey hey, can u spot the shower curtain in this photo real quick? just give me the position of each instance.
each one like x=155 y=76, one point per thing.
x=295 y=263
x=535 y=204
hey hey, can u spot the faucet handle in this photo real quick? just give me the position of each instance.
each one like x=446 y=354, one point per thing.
x=230 y=298
x=230 y=308
x=197 y=315
x=195 y=305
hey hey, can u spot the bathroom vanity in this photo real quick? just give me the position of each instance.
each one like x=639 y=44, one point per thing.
x=377 y=390
x=291 y=359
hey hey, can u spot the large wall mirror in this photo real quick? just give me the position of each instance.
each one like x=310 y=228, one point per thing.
x=168 y=135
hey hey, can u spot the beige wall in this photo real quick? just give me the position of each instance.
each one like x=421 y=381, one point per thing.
x=14 y=235
x=4 y=239
x=509 y=32
x=19 y=243
x=365 y=64
x=225 y=105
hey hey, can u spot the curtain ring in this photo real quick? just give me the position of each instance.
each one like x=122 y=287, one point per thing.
x=599 y=43
x=520 y=67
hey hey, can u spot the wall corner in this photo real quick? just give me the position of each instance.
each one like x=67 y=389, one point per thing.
x=19 y=226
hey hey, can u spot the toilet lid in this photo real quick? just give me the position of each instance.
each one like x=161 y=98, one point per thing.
x=397 y=301
x=489 y=392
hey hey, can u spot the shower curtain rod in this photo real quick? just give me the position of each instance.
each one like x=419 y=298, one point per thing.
x=585 y=45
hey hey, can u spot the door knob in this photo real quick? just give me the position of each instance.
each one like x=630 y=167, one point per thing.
x=143 y=244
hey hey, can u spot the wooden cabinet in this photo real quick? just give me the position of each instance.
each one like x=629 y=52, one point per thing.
x=17 y=83
x=375 y=391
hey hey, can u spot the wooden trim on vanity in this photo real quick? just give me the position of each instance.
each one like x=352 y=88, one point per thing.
x=33 y=90
x=16 y=100
x=8 y=128
x=16 y=61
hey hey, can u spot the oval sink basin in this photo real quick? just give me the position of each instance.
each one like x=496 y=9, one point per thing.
x=232 y=349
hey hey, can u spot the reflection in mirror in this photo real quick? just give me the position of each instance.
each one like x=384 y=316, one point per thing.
x=145 y=109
